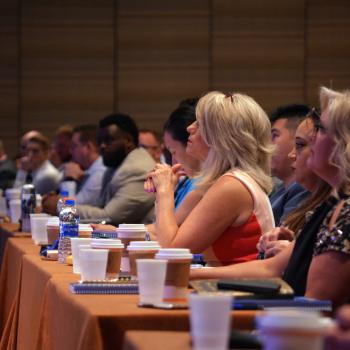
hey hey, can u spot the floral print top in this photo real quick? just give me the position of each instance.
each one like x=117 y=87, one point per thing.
x=338 y=237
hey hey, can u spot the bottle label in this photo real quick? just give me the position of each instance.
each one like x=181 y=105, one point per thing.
x=69 y=230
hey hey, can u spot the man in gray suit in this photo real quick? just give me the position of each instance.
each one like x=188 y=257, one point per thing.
x=122 y=199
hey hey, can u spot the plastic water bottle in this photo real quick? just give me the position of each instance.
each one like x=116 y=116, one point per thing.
x=28 y=204
x=60 y=202
x=69 y=227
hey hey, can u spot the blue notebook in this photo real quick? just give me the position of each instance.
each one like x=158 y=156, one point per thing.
x=103 y=288
x=297 y=302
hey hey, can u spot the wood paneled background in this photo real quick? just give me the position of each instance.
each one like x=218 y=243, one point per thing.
x=74 y=61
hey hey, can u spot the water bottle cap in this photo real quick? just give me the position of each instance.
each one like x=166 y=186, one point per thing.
x=70 y=202
x=64 y=193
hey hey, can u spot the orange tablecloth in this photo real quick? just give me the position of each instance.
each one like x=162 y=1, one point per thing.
x=6 y=231
x=156 y=340
x=45 y=315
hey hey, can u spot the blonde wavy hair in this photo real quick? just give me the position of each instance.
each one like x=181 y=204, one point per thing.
x=238 y=132
x=337 y=105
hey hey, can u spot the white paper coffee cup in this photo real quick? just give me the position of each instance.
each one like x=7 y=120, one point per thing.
x=178 y=271
x=85 y=230
x=128 y=233
x=141 y=250
x=115 y=250
x=53 y=229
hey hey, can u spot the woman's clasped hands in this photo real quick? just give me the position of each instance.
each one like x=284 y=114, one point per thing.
x=163 y=178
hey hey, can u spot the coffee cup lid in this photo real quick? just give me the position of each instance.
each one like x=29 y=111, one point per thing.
x=132 y=226
x=296 y=319
x=129 y=233
x=174 y=253
x=85 y=227
x=106 y=243
x=37 y=215
x=53 y=221
x=143 y=245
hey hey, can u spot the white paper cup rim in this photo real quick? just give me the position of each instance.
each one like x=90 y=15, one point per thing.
x=288 y=319
x=143 y=245
x=174 y=253
x=132 y=226
x=106 y=243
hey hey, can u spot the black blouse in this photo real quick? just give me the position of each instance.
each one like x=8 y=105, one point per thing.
x=299 y=263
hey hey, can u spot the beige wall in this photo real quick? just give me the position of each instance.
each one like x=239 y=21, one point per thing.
x=74 y=61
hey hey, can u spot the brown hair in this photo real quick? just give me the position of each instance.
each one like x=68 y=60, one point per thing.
x=296 y=220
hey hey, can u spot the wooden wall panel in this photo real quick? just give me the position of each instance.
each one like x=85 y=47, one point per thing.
x=327 y=46
x=162 y=56
x=67 y=62
x=258 y=49
x=77 y=60
x=9 y=74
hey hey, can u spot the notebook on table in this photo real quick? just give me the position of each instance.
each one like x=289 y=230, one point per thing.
x=120 y=286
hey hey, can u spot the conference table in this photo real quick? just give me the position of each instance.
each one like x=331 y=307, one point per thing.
x=38 y=311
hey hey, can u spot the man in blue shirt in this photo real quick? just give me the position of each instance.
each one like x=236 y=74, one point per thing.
x=289 y=194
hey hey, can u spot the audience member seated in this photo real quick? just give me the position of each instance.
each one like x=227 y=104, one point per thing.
x=22 y=161
x=87 y=168
x=274 y=241
x=151 y=142
x=318 y=263
x=122 y=198
x=175 y=140
x=232 y=135
x=44 y=176
x=7 y=169
x=289 y=194
x=60 y=150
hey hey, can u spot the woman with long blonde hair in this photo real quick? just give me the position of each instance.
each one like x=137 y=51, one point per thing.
x=232 y=135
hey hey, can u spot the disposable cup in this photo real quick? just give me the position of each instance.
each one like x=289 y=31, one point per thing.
x=210 y=321
x=151 y=277
x=15 y=210
x=115 y=249
x=93 y=263
x=38 y=228
x=53 y=229
x=13 y=193
x=128 y=233
x=177 y=274
x=85 y=230
x=141 y=250
x=291 y=329
x=76 y=243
